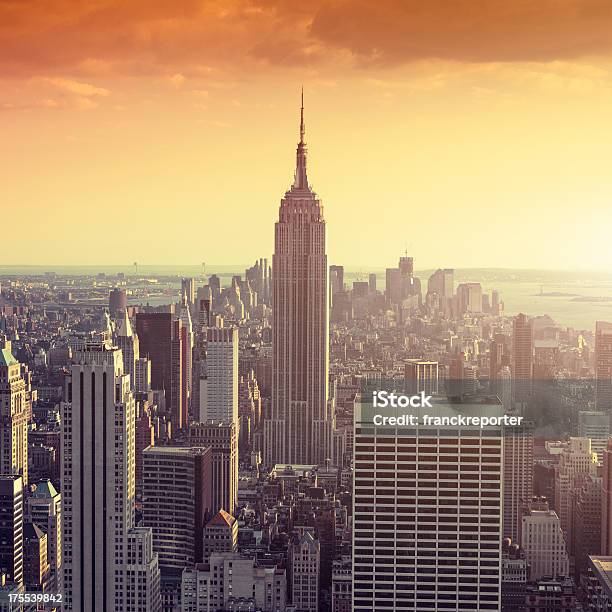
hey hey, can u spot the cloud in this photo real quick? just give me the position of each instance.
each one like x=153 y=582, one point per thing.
x=211 y=37
x=78 y=88
x=389 y=32
x=176 y=80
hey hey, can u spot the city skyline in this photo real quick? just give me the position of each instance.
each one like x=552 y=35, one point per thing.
x=362 y=417
x=472 y=139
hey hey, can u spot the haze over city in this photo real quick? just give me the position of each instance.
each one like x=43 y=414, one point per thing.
x=429 y=128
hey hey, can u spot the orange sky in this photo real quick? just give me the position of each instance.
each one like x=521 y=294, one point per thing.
x=473 y=132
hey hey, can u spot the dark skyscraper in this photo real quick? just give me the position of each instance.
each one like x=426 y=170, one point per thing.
x=160 y=340
x=11 y=527
x=300 y=428
x=522 y=357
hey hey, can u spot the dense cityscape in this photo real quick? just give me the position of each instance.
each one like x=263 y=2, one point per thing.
x=199 y=444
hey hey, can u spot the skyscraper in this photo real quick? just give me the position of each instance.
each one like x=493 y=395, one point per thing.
x=176 y=502
x=44 y=507
x=606 y=501
x=304 y=560
x=161 y=341
x=224 y=441
x=522 y=357
x=299 y=430
x=187 y=344
x=428 y=518
x=11 y=527
x=98 y=487
x=127 y=341
x=603 y=365
x=13 y=416
x=518 y=476
x=220 y=398
x=469 y=296
x=543 y=542
x=188 y=289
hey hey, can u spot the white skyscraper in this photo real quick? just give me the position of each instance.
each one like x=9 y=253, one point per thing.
x=98 y=487
x=428 y=512
x=13 y=416
x=304 y=559
x=220 y=398
x=300 y=427
x=543 y=542
x=576 y=461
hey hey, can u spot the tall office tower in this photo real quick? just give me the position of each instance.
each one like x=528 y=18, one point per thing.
x=249 y=399
x=220 y=534
x=421 y=375
x=187 y=344
x=336 y=280
x=258 y=278
x=406 y=265
x=224 y=441
x=142 y=375
x=441 y=285
x=393 y=285
x=522 y=357
x=220 y=401
x=427 y=512
x=576 y=462
x=603 y=366
x=543 y=542
x=441 y=282
x=372 y=283
x=360 y=289
x=36 y=569
x=518 y=476
x=127 y=341
x=495 y=303
x=161 y=341
x=499 y=356
x=595 y=426
x=143 y=574
x=11 y=527
x=188 y=289
x=304 y=560
x=300 y=428
x=144 y=437
x=117 y=301
x=469 y=296
x=176 y=502
x=587 y=522
x=204 y=312
x=13 y=416
x=44 y=508
x=606 y=501
x=98 y=483
x=214 y=282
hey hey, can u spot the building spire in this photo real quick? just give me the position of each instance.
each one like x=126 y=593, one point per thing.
x=301 y=179
x=302 y=129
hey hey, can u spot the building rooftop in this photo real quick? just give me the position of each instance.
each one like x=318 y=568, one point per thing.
x=602 y=568
x=222 y=519
x=6 y=358
x=44 y=489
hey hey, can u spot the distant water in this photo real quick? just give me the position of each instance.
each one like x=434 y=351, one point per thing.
x=563 y=295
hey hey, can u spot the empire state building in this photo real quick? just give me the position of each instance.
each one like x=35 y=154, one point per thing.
x=300 y=428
